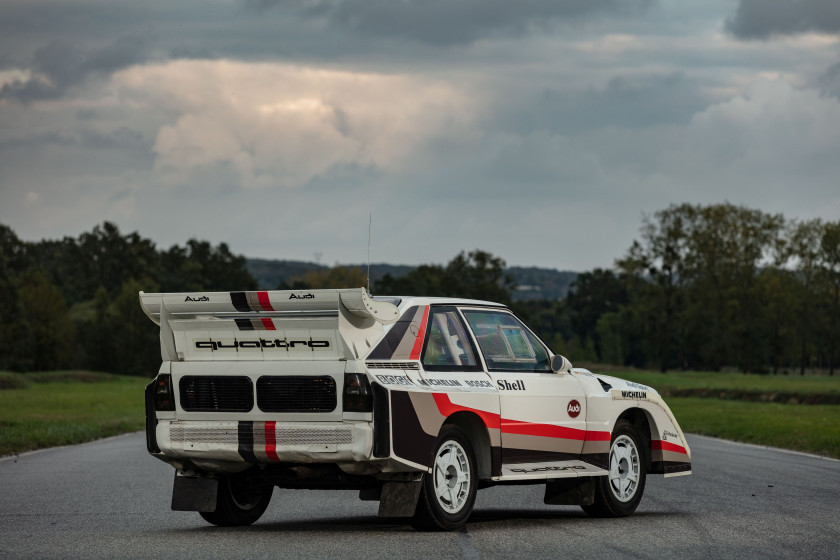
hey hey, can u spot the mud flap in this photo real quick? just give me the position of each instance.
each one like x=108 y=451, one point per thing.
x=399 y=499
x=570 y=491
x=194 y=493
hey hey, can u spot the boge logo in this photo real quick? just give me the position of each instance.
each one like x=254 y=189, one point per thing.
x=573 y=409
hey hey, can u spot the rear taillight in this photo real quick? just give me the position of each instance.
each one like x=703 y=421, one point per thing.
x=164 y=397
x=357 y=395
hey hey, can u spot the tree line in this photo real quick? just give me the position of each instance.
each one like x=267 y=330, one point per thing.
x=72 y=303
x=712 y=287
x=703 y=287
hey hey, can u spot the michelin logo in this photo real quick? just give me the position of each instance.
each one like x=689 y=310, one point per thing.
x=634 y=395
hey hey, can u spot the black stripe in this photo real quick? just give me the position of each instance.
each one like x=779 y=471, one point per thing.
x=385 y=350
x=413 y=442
x=662 y=467
x=240 y=301
x=381 y=422
x=151 y=418
x=246 y=441
x=600 y=460
x=496 y=460
x=518 y=456
x=244 y=324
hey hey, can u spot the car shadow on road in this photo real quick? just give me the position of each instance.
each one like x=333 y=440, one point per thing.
x=480 y=517
x=513 y=516
x=332 y=524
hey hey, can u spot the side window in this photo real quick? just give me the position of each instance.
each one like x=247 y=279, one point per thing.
x=447 y=345
x=506 y=343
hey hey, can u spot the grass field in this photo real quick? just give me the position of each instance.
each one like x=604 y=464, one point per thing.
x=60 y=408
x=791 y=384
x=809 y=428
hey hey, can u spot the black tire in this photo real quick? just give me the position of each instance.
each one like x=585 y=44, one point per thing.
x=618 y=494
x=448 y=493
x=241 y=500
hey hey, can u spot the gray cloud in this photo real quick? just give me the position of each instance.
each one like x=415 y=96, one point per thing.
x=60 y=65
x=448 y=22
x=631 y=102
x=760 y=19
x=829 y=82
x=559 y=122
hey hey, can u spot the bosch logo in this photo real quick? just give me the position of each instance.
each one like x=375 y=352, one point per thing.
x=573 y=409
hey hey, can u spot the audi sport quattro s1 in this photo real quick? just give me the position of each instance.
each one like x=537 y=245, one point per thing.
x=416 y=402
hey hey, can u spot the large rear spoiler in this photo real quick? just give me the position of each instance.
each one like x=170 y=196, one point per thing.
x=268 y=325
x=268 y=303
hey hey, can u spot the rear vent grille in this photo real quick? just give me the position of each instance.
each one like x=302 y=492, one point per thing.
x=296 y=393
x=216 y=393
x=393 y=365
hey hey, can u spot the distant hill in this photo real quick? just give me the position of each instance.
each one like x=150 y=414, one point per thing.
x=541 y=283
x=532 y=282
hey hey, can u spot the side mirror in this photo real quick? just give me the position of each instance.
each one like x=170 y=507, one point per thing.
x=559 y=363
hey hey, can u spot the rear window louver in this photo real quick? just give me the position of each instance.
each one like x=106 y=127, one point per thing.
x=296 y=393
x=216 y=393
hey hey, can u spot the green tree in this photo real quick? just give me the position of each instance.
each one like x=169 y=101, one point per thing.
x=777 y=293
x=830 y=257
x=593 y=295
x=136 y=349
x=804 y=241
x=661 y=257
x=53 y=333
x=16 y=339
x=475 y=275
x=101 y=334
x=610 y=338
x=698 y=299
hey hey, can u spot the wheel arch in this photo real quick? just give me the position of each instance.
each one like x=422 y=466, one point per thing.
x=646 y=427
x=479 y=437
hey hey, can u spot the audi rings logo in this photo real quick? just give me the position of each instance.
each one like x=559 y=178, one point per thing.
x=573 y=409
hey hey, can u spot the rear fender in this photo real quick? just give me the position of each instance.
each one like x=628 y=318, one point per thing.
x=417 y=418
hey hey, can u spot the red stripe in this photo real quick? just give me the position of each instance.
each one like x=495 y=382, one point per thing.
x=421 y=336
x=542 y=430
x=264 y=301
x=268 y=324
x=598 y=436
x=448 y=408
x=491 y=420
x=271 y=442
x=668 y=446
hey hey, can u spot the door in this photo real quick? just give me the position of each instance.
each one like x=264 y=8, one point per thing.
x=543 y=414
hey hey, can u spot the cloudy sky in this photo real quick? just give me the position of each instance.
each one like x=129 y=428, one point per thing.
x=539 y=130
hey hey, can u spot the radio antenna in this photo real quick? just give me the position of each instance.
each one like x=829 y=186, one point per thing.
x=370 y=222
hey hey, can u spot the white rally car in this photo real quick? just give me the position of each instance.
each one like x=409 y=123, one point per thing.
x=416 y=402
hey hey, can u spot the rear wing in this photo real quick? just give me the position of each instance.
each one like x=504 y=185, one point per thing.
x=268 y=325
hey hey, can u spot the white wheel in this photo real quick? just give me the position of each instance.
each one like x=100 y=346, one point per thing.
x=448 y=493
x=619 y=493
x=452 y=477
x=624 y=468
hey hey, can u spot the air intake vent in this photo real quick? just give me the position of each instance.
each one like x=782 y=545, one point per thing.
x=296 y=393
x=216 y=393
x=604 y=385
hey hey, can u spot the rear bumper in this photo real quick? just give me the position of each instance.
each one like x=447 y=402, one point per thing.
x=264 y=442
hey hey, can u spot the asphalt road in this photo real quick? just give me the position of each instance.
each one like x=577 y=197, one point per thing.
x=109 y=499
